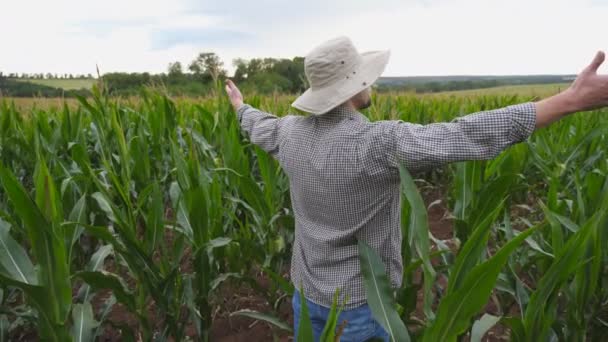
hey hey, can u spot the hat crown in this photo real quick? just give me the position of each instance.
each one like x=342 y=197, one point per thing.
x=333 y=61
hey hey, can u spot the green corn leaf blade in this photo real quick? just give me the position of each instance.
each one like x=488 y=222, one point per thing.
x=106 y=280
x=268 y=172
x=48 y=327
x=83 y=322
x=222 y=278
x=24 y=207
x=586 y=279
x=305 y=333
x=14 y=259
x=154 y=218
x=183 y=219
x=4 y=326
x=196 y=205
x=538 y=316
x=467 y=180
x=190 y=302
x=329 y=331
x=491 y=195
x=566 y=222
x=285 y=285
x=78 y=214
x=105 y=206
x=101 y=233
x=95 y=264
x=417 y=234
x=457 y=308
x=516 y=326
x=49 y=247
x=98 y=258
x=379 y=293
x=557 y=234
x=47 y=197
x=253 y=195
x=263 y=317
x=122 y=145
x=218 y=242
x=482 y=325
x=181 y=167
x=470 y=254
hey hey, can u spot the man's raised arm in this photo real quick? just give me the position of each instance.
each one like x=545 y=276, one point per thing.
x=485 y=134
x=262 y=128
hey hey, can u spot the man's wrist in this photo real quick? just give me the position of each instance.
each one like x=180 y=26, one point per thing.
x=557 y=106
x=569 y=101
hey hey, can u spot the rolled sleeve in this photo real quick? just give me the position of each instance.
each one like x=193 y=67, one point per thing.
x=524 y=121
x=477 y=136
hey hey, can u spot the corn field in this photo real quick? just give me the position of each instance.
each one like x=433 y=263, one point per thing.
x=154 y=205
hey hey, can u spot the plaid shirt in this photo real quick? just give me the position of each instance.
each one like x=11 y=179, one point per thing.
x=344 y=182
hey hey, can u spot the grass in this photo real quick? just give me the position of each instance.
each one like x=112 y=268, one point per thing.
x=66 y=84
x=534 y=90
x=541 y=90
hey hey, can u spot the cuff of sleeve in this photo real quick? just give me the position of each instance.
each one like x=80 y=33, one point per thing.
x=241 y=110
x=524 y=121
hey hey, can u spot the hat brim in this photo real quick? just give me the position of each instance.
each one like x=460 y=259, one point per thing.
x=320 y=101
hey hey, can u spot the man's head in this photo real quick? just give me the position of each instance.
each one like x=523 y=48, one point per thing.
x=339 y=74
x=362 y=100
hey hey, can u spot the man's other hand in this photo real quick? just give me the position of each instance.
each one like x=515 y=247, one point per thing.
x=234 y=94
x=590 y=90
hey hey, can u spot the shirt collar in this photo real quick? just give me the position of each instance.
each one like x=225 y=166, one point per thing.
x=341 y=113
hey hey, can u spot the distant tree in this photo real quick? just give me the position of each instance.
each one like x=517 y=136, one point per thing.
x=208 y=66
x=254 y=67
x=49 y=76
x=175 y=69
x=287 y=73
x=89 y=75
x=240 y=74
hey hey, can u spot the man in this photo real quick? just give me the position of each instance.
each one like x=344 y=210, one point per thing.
x=343 y=169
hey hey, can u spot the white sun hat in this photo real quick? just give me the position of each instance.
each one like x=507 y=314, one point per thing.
x=336 y=72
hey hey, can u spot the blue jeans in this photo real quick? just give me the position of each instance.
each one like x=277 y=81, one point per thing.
x=361 y=325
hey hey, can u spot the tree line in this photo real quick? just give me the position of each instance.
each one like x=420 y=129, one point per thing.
x=197 y=78
x=257 y=75
x=45 y=76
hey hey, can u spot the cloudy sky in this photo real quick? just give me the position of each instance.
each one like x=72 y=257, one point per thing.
x=426 y=37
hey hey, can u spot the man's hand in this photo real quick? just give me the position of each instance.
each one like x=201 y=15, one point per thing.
x=588 y=91
x=234 y=94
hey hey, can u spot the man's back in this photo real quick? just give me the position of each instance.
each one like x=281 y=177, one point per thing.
x=342 y=190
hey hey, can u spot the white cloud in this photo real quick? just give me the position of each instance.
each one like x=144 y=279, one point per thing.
x=426 y=37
